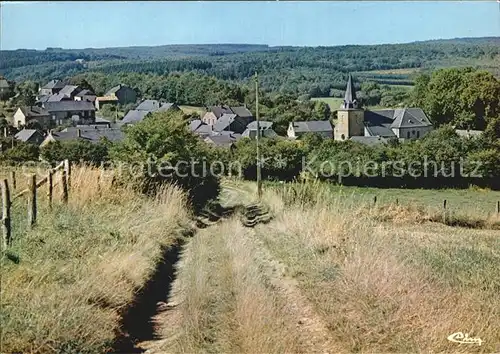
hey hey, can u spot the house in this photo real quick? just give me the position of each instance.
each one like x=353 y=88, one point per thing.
x=85 y=95
x=91 y=135
x=51 y=88
x=222 y=140
x=200 y=128
x=76 y=112
x=58 y=97
x=230 y=122
x=123 y=93
x=401 y=123
x=265 y=127
x=321 y=127
x=154 y=106
x=134 y=116
x=103 y=100
x=214 y=113
x=70 y=91
x=145 y=108
x=31 y=136
x=27 y=114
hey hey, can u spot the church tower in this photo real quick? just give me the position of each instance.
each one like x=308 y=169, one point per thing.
x=350 y=118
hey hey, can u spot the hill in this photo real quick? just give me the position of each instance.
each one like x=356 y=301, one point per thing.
x=296 y=71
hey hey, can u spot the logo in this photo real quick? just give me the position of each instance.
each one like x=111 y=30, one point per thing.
x=462 y=338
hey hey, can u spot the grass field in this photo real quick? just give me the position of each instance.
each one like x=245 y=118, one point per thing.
x=473 y=201
x=333 y=102
x=405 y=71
x=66 y=282
x=329 y=275
x=193 y=109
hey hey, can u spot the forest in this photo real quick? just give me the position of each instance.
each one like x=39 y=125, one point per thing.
x=296 y=71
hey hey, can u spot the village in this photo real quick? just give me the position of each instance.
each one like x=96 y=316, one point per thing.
x=65 y=112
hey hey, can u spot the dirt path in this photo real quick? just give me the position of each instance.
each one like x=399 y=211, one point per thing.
x=275 y=286
x=313 y=331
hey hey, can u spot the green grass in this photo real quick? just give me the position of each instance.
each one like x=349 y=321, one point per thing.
x=333 y=102
x=193 y=109
x=473 y=201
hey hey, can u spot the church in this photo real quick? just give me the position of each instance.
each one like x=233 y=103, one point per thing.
x=358 y=124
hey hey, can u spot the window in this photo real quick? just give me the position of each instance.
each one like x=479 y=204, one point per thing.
x=413 y=132
x=418 y=133
x=408 y=135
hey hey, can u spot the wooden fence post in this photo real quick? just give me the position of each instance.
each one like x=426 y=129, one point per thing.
x=374 y=200
x=64 y=183
x=13 y=179
x=32 y=200
x=50 y=183
x=67 y=168
x=397 y=201
x=498 y=207
x=6 y=203
x=444 y=211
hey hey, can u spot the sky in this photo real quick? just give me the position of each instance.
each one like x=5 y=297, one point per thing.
x=38 y=25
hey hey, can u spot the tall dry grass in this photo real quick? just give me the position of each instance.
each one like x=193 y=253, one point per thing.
x=387 y=280
x=65 y=282
x=224 y=299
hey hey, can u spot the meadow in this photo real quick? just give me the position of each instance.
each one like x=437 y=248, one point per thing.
x=332 y=274
x=67 y=282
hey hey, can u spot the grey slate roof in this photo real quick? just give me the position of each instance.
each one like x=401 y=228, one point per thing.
x=409 y=118
x=56 y=98
x=92 y=135
x=43 y=99
x=167 y=106
x=54 y=84
x=266 y=133
x=148 y=105
x=223 y=140
x=69 y=90
x=223 y=122
x=25 y=134
x=218 y=111
x=242 y=112
x=63 y=106
x=313 y=126
x=369 y=140
x=198 y=127
x=85 y=92
x=134 y=116
x=263 y=125
x=380 y=122
x=34 y=111
x=350 y=95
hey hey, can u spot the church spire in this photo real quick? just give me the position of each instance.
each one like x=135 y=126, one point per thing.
x=350 y=100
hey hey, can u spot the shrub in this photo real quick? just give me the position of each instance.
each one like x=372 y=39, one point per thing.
x=164 y=150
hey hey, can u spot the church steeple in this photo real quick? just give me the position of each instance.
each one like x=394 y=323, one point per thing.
x=350 y=100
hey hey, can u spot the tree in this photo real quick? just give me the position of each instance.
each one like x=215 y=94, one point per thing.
x=167 y=152
x=27 y=91
x=80 y=81
x=464 y=97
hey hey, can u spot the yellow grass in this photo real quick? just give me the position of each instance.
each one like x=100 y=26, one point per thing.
x=385 y=286
x=82 y=263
